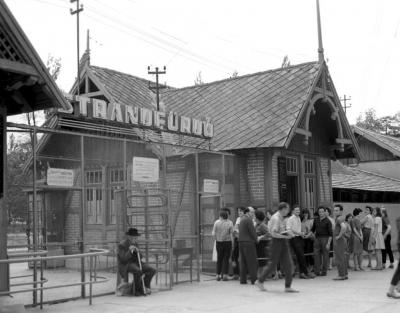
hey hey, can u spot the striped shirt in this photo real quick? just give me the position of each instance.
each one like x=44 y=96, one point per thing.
x=223 y=230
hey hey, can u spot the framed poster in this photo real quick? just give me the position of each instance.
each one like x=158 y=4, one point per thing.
x=60 y=177
x=210 y=186
x=145 y=170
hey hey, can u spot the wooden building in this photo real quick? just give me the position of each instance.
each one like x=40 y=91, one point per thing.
x=280 y=129
x=374 y=179
x=25 y=86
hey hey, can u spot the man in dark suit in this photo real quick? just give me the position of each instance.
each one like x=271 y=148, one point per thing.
x=128 y=262
x=247 y=248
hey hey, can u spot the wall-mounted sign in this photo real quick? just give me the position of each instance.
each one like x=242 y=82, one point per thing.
x=144 y=117
x=210 y=186
x=146 y=170
x=60 y=177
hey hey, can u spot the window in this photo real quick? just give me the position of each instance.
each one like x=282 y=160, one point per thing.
x=116 y=182
x=309 y=183
x=94 y=197
x=309 y=167
x=291 y=166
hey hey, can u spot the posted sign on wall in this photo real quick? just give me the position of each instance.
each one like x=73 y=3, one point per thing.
x=210 y=186
x=146 y=170
x=60 y=177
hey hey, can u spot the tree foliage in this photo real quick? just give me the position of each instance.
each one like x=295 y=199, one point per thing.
x=199 y=79
x=285 y=62
x=389 y=125
x=18 y=154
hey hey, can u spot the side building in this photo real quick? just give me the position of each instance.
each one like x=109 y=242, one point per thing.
x=375 y=179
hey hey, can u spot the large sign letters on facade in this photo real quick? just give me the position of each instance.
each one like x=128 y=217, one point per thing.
x=145 y=117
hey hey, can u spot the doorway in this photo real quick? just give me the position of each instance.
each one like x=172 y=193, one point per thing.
x=209 y=212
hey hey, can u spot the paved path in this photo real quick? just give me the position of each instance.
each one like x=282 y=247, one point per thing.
x=362 y=293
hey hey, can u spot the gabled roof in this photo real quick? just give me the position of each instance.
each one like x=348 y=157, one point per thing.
x=389 y=143
x=28 y=84
x=256 y=110
x=344 y=177
x=124 y=88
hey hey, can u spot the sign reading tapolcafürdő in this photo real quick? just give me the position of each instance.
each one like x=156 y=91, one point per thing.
x=60 y=177
x=131 y=115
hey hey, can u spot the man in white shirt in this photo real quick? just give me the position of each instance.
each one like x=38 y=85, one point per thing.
x=297 y=242
x=279 y=249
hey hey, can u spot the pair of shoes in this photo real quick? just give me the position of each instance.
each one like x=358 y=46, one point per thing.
x=291 y=290
x=224 y=278
x=303 y=276
x=260 y=285
x=311 y=275
x=391 y=265
x=218 y=277
x=339 y=278
x=393 y=295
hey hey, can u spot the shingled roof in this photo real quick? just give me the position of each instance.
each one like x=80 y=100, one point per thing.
x=390 y=143
x=345 y=177
x=124 y=88
x=251 y=111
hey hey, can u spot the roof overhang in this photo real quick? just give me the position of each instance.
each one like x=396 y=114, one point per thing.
x=26 y=83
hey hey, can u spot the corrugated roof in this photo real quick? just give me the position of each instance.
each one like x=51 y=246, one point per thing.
x=345 y=177
x=390 y=143
x=256 y=110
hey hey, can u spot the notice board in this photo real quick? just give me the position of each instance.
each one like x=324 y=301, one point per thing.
x=145 y=170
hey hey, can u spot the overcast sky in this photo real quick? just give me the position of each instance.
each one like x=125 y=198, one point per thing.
x=361 y=40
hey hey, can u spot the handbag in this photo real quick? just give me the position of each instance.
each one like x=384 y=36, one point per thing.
x=215 y=254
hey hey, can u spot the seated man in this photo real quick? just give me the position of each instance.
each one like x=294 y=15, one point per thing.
x=129 y=262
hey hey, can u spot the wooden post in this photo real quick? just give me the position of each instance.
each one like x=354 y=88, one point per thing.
x=4 y=272
x=82 y=215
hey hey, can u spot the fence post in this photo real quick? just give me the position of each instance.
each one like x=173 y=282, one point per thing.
x=82 y=216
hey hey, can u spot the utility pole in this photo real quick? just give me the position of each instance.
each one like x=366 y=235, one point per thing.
x=77 y=11
x=157 y=87
x=345 y=105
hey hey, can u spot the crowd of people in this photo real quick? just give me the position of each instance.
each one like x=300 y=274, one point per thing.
x=263 y=245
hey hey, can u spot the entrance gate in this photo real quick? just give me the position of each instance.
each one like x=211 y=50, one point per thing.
x=209 y=209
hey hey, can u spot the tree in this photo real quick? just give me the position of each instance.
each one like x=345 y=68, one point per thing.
x=53 y=65
x=389 y=125
x=285 y=62
x=199 y=79
x=17 y=155
x=235 y=74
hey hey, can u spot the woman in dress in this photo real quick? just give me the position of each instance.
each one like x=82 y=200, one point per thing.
x=263 y=238
x=357 y=239
x=306 y=225
x=367 y=223
x=347 y=235
x=378 y=242
x=386 y=231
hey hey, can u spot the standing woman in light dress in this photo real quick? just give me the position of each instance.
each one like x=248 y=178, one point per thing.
x=379 y=243
x=367 y=223
x=357 y=238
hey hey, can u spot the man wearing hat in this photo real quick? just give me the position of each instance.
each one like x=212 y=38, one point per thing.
x=128 y=262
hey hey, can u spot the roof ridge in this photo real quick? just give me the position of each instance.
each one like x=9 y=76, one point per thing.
x=243 y=76
x=376 y=133
x=127 y=74
x=376 y=174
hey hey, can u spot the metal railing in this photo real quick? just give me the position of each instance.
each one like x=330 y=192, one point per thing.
x=37 y=257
